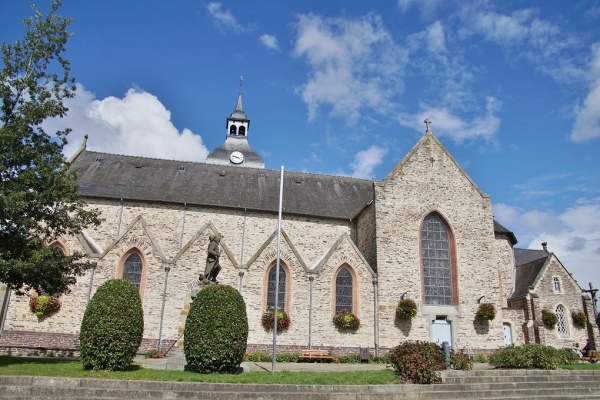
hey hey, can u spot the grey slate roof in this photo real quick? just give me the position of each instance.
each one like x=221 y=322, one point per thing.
x=148 y=179
x=528 y=265
x=498 y=228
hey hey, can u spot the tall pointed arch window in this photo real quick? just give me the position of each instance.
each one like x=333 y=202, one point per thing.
x=344 y=285
x=437 y=259
x=272 y=284
x=132 y=267
x=561 y=324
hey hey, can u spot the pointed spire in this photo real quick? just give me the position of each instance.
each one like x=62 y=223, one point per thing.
x=239 y=113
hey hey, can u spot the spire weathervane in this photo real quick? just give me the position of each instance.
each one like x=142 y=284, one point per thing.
x=241 y=82
x=428 y=125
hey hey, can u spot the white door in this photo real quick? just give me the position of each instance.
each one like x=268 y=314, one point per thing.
x=441 y=331
x=507 y=334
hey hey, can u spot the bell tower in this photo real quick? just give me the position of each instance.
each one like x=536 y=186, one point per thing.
x=236 y=149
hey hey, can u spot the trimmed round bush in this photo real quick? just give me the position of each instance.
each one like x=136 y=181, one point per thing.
x=112 y=327
x=418 y=362
x=528 y=356
x=216 y=330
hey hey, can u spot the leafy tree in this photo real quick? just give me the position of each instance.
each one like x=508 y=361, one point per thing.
x=39 y=199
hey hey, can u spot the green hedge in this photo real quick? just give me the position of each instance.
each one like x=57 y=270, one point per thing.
x=216 y=330
x=112 y=327
x=532 y=356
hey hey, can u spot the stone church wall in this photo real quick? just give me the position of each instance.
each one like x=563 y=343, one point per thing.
x=426 y=181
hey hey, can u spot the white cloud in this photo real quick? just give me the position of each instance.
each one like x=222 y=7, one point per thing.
x=427 y=7
x=446 y=123
x=365 y=162
x=224 y=20
x=572 y=235
x=587 y=115
x=355 y=65
x=269 y=41
x=137 y=124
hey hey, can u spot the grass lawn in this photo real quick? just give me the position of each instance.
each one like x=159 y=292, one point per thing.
x=74 y=369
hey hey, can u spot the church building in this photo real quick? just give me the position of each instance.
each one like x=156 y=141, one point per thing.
x=425 y=232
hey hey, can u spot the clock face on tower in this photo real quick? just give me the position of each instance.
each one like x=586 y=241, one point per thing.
x=236 y=157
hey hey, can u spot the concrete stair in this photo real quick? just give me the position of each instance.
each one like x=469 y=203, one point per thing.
x=458 y=385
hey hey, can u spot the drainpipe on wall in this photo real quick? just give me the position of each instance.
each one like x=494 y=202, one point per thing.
x=91 y=283
x=375 y=318
x=120 y=217
x=5 y=309
x=310 y=297
x=243 y=242
x=241 y=274
x=183 y=225
x=162 y=310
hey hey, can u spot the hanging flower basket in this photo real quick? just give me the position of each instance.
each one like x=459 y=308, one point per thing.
x=579 y=319
x=283 y=320
x=486 y=311
x=406 y=309
x=44 y=305
x=346 y=320
x=549 y=319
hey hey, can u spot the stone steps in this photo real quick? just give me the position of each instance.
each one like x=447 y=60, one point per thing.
x=459 y=385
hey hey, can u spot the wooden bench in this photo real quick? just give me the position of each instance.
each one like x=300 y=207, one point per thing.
x=593 y=357
x=317 y=355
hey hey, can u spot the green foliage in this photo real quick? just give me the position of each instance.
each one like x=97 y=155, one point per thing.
x=528 y=356
x=549 y=318
x=39 y=198
x=567 y=356
x=481 y=358
x=154 y=353
x=350 y=359
x=258 y=356
x=418 y=362
x=283 y=320
x=346 y=320
x=44 y=305
x=486 y=311
x=461 y=360
x=406 y=309
x=579 y=319
x=216 y=330
x=112 y=327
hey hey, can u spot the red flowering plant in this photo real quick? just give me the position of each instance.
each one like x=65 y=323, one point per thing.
x=486 y=311
x=283 y=320
x=346 y=320
x=43 y=305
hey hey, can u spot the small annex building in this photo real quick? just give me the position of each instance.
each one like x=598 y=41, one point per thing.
x=426 y=232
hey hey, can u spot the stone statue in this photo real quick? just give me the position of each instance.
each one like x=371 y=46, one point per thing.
x=213 y=267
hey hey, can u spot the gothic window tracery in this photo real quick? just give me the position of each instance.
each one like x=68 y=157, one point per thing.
x=436 y=248
x=133 y=268
x=561 y=324
x=344 y=288
x=272 y=284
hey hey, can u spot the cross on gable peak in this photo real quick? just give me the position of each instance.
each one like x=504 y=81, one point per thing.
x=427 y=124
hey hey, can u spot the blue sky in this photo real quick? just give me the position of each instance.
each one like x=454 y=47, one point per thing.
x=512 y=89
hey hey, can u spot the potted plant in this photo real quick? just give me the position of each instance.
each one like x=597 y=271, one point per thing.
x=44 y=304
x=579 y=319
x=283 y=320
x=549 y=319
x=346 y=320
x=406 y=309
x=486 y=311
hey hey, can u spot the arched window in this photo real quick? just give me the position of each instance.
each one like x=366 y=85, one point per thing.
x=271 y=288
x=242 y=131
x=232 y=130
x=556 y=282
x=133 y=268
x=561 y=325
x=344 y=291
x=436 y=248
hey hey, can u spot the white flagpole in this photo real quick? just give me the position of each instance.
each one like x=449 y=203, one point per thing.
x=277 y=273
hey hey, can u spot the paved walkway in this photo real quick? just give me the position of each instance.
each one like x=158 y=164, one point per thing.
x=177 y=362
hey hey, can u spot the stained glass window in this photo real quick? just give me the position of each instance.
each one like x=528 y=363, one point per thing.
x=271 y=288
x=437 y=271
x=561 y=325
x=343 y=291
x=132 y=269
